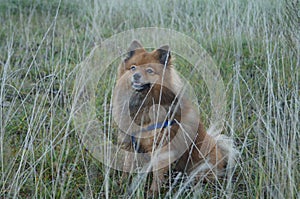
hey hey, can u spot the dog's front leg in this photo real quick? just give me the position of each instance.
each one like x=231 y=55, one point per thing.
x=157 y=181
x=160 y=167
x=125 y=144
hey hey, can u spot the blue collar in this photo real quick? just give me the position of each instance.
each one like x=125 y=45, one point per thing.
x=159 y=125
x=152 y=127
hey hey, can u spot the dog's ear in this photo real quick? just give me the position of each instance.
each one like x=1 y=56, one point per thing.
x=135 y=44
x=164 y=55
x=132 y=48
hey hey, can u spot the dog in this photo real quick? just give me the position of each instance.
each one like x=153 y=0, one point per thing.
x=158 y=120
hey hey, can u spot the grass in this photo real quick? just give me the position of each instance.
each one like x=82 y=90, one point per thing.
x=254 y=43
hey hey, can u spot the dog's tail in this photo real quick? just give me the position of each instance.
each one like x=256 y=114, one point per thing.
x=226 y=144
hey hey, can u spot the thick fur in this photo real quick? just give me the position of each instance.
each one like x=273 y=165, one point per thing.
x=146 y=79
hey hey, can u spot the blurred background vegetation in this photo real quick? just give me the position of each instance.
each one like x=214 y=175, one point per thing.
x=254 y=43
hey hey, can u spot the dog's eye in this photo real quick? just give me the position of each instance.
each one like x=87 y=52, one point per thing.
x=149 y=70
x=133 y=67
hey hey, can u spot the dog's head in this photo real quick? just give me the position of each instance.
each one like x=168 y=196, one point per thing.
x=142 y=68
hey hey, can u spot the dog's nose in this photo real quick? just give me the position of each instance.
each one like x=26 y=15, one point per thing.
x=137 y=76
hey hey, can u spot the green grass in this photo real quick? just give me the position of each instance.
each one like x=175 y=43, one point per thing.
x=255 y=44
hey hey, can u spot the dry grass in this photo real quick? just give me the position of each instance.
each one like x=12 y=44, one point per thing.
x=255 y=44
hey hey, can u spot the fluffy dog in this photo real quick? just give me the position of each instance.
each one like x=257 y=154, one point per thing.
x=158 y=120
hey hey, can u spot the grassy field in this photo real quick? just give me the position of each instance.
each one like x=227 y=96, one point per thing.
x=255 y=44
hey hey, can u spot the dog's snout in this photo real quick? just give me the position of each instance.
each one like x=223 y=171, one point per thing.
x=137 y=76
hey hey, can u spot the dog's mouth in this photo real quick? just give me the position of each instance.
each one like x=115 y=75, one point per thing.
x=138 y=86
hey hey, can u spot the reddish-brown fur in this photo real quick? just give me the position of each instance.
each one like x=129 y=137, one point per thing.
x=163 y=92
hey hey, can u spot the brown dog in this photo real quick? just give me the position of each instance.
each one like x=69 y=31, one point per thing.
x=157 y=119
